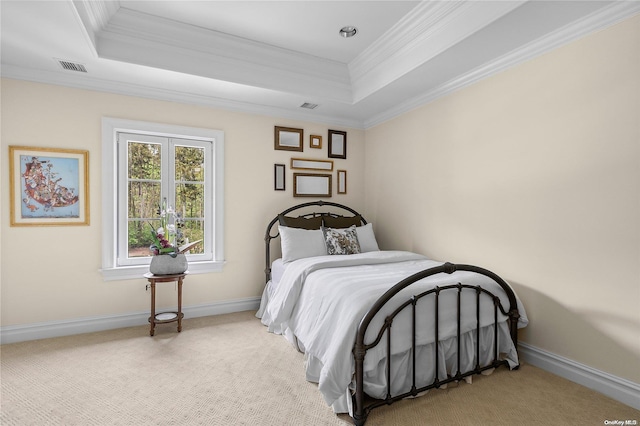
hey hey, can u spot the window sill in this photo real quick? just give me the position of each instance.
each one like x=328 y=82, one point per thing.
x=137 y=272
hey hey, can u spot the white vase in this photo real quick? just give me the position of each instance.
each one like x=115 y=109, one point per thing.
x=166 y=264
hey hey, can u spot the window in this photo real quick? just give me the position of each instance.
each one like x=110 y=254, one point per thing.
x=147 y=165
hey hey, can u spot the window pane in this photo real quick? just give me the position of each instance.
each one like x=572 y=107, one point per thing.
x=189 y=164
x=193 y=230
x=139 y=235
x=190 y=205
x=144 y=199
x=144 y=160
x=190 y=200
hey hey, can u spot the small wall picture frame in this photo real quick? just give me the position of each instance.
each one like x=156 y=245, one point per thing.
x=315 y=141
x=312 y=164
x=288 y=138
x=311 y=185
x=342 y=181
x=279 y=179
x=337 y=144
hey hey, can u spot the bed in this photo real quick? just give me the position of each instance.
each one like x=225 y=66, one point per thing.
x=377 y=326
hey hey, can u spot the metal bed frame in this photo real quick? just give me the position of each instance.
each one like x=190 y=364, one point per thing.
x=361 y=406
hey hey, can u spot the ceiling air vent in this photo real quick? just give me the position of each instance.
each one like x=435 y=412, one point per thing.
x=308 y=105
x=71 y=66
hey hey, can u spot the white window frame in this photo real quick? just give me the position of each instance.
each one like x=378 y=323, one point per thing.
x=213 y=260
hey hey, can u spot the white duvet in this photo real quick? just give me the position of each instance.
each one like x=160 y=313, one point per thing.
x=321 y=300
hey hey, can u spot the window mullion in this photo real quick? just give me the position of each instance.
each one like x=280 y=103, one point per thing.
x=209 y=208
x=123 y=191
x=168 y=165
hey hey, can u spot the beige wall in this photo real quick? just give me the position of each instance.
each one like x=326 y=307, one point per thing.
x=51 y=273
x=535 y=174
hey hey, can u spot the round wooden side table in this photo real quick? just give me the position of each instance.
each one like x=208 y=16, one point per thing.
x=165 y=317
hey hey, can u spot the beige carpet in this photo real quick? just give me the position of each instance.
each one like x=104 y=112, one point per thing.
x=228 y=370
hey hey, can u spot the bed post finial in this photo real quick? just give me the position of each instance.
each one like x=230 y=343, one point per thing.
x=449 y=268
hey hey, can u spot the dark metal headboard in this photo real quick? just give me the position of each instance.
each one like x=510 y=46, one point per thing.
x=268 y=237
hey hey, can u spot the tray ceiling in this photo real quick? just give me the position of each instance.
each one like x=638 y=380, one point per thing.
x=270 y=57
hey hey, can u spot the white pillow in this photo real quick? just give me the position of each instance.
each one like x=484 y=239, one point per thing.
x=366 y=238
x=299 y=243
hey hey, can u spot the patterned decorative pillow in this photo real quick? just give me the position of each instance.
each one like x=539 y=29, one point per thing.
x=341 y=241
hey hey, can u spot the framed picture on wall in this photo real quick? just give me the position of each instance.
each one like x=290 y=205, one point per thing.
x=312 y=164
x=278 y=177
x=342 y=181
x=337 y=144
x=288 y=139
x=48 y=186
x=311 y=185
x=315 y=141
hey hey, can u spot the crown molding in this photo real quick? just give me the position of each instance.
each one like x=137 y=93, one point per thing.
x=420 y=20
x=93 y=16
x=428 y=30
x=596 y=21
x=143 y=39
x=97 y=13
x=160 y=94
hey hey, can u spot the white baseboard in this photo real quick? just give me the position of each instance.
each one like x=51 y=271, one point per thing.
x=621 y=390
x=21 y=333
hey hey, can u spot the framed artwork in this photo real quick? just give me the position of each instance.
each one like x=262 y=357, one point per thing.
x=311 y=185
x=315 y=141
x=278 y=177
x=342 y=181
x=288 y=138
x=48 y=186
x=311 y=164
x=337 y=144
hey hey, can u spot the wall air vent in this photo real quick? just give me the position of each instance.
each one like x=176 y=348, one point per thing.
x=308 y=105
x=71 y=66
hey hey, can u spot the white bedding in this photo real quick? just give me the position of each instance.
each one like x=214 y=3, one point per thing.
x=277 y=269
x=320 y=300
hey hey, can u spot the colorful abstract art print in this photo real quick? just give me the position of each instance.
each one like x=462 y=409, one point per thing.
x=49 y=186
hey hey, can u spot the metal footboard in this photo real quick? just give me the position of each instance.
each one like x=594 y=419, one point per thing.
x=360 y=408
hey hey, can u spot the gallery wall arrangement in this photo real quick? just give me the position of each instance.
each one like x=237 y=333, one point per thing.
x=312 y=177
